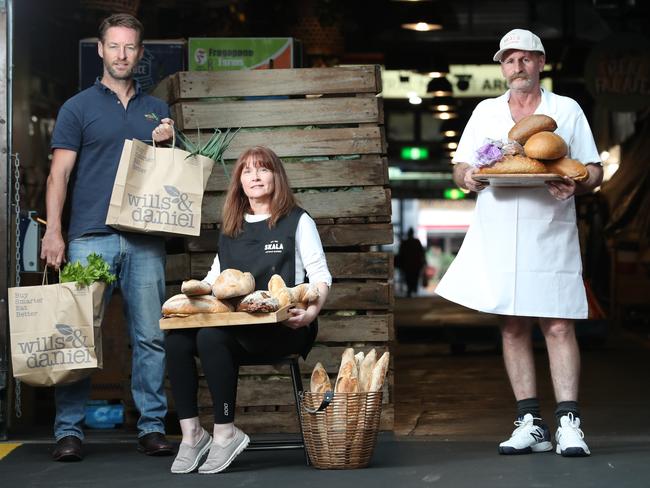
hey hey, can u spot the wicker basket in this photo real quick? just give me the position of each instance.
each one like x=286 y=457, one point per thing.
x=340 y=429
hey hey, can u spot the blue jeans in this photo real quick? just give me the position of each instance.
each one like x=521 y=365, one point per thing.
x=139 y=263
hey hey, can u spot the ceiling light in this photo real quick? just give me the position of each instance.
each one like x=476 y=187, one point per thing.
x=451 y=128
x=443 y=104
x=419 y=16
x=445 y=115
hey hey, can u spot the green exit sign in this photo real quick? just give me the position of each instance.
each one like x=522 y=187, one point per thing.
x=453 y=194
x=414 y=153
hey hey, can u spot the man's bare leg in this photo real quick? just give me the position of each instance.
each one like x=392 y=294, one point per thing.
x=563 y=356
x=516 y=335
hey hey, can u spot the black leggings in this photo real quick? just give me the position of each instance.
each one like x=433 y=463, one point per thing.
x=221 y=351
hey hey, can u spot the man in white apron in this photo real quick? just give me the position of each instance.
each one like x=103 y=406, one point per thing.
x=521 y=257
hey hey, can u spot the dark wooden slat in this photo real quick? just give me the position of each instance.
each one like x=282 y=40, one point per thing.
x=332 y=235
x=304 y=81
x=365 y=171
x=360 y=296
x=367 y=265
x=177 y=267
x=370 y=200
x=277 y=113
x=309 y=142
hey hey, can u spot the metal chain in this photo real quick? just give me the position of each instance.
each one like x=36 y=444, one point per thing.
x=17 y=401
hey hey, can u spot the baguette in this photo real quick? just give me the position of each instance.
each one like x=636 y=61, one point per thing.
x=516 y=164
x=572 y=168
x=379 y=372
x=347 y=381
x=192 y=288
x=545 y=145
x=233 y=283
x=365 y=371
x=182 y=305
x=320 y=380
x=530 y=125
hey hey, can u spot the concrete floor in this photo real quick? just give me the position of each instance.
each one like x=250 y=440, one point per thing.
x=452 y=410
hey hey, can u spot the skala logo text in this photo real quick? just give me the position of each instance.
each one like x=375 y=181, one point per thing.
x=54 y=350
x=174 y=210
x=273 y=247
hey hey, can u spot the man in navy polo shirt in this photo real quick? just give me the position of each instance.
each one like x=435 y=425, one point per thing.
x=87 y=143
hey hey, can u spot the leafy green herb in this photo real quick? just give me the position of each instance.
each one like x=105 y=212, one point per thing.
x=214 y=148
x=96 y=270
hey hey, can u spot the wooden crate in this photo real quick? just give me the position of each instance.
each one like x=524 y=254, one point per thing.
x=327 y=126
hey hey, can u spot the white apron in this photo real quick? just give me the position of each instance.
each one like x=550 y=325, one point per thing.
x=521 y=256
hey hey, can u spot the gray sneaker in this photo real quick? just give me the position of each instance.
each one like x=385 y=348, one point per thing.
x=188 y=457
x=220 y=457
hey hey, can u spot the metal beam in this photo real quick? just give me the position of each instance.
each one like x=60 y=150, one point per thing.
x=5 y=207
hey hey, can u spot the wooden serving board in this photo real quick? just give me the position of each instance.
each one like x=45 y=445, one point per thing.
x=517 y=180
x=224 y=319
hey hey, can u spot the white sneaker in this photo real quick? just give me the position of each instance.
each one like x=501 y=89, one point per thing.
x=527 y=438
x=569 y=438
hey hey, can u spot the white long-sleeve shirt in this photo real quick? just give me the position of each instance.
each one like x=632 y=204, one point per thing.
x=310 y=257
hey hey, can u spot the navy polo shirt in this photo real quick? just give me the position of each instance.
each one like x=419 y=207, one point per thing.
x=95 y=124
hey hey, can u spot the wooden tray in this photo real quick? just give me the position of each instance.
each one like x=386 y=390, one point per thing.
x=517 y=180
x=224 y=319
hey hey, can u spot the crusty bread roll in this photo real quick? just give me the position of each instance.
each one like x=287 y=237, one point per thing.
x=545 y=145
x=192 y=288
x=320 y=380
x=572 y=168
x=303 y=294
x=514 y=165
x=279 y=290
x=182 y=305
x=379 y=372
x=365 y=371
x=233 y=283
x=530 y=125
x=258 y=301
x=347 y=381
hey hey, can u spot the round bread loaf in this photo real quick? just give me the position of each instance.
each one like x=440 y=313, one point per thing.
x=545 y=145
x=516 y=164
x=572 y=168
x=532 y=124
x=183 y=305
x=233 y=283
x=193 y=288
x=259 y=301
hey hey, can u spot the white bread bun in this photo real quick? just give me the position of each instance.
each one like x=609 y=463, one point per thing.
x=572 y=168
x=320 y=380
x=379 y=372
x=347 y=381
x=516 y=164
x=233 y=283
x=532 y=124
x=365 y=371
x=193 y=288
x=183 y=305
x=259 y=301
x=545 y=145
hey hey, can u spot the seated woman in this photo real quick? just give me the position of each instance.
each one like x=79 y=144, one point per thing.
x=259 y=209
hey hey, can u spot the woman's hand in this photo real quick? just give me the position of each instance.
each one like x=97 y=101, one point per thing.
x=562 y=189
x=164 y=131
x=300 y=318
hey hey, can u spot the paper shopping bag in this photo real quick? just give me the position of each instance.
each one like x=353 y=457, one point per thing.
x=55 y=332
x=158 y=190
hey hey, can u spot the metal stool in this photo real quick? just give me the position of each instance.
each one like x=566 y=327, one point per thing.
x=296 y=380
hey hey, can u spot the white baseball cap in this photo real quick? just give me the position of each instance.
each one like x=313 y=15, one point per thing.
x=520 y=39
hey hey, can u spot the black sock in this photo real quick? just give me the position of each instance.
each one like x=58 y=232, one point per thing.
x=528 y=405
x=564 y=408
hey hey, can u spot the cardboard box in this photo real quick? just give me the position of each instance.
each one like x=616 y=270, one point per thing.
x=237 y=53
x=161 y=58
